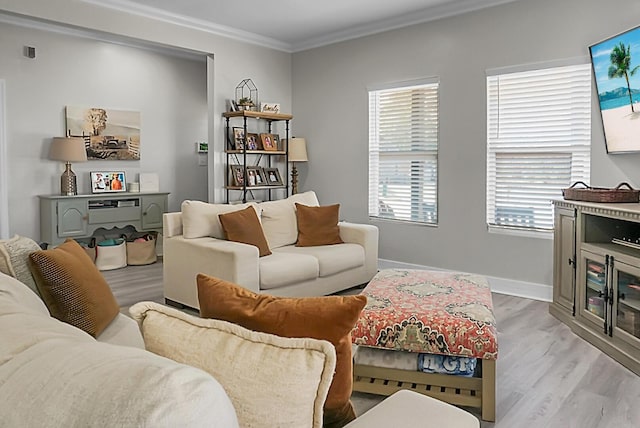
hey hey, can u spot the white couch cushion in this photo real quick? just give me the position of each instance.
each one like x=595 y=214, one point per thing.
x=53 y=374
x=332 y=259
x=200 y=219
x=280 y=269
x=22 y=297
x=279 y=218
x=14 y=259
x=272 y=381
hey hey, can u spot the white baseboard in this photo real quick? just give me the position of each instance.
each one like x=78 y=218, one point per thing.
x=511 y=287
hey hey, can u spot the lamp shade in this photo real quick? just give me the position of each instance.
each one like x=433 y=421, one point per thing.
x=298 y=150
x=68 y=149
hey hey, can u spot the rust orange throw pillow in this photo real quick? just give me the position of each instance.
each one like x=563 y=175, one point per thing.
x=328 y=318
x=73 y=288
x=244 y=226
x=318 y=225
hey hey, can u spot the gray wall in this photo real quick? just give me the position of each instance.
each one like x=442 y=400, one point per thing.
x=330 y=103
x=181 y=100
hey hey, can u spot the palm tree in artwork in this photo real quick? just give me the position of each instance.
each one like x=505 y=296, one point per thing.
x=620 y=65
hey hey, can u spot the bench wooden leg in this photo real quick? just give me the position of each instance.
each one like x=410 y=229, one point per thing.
x=489 y=390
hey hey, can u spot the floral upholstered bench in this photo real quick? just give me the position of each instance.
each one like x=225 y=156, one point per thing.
x=427 y=331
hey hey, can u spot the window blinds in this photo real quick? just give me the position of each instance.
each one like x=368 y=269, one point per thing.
x=403 y=153
x=538 y=142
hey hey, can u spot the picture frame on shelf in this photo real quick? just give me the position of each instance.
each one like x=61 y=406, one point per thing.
x=238 y=138
x=268 y=143
x=272 y=177
x=276 y=141
x=236 y=173
x=253 y=141
x=108 y=181
x=255 y=176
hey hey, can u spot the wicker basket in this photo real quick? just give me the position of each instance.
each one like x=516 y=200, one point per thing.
x=600 y=194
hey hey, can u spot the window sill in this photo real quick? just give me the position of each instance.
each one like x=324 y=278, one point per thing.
x=526 y=233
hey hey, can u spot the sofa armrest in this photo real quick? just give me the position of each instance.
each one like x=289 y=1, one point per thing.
x=365 y=235
x=185 y=258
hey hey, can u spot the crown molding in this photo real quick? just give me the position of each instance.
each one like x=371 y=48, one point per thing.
x=54 y=27
x=133 y=8
x=444 y=10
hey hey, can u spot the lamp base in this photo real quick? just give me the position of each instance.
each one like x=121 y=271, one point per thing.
x=294 y=179
x=68 y=186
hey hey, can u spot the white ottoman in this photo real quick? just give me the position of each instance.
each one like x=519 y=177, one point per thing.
x=407 y=408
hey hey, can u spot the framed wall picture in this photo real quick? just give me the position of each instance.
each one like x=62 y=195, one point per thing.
x=272 y=177
x=255 y=176
x=238 y=138
x=236 y=173
x=108 y=181
x=253 y=141
x=268 y=143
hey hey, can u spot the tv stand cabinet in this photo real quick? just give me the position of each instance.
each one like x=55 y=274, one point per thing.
x=596 y=281
x=79 y=216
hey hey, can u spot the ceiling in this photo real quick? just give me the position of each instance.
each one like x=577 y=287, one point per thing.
x=295 y=25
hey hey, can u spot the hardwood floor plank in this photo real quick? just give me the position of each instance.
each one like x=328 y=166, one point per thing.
x=547 y=376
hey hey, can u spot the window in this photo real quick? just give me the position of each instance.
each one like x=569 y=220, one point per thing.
x=403 y=152
x=538 y=142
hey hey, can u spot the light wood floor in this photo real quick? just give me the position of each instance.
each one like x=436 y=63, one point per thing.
x=547 y=376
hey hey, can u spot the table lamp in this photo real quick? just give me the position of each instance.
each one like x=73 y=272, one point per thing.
x=68 y=149
x=297 y=153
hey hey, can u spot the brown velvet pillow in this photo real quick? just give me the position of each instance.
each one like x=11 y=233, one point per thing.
x=244 y=226
x=328 y=318
x=318 y=225
x=73 y=288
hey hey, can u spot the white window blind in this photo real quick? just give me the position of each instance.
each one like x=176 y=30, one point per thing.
x=538 y=142
x=403 y=153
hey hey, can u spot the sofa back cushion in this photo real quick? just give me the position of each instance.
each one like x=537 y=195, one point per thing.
x=200 y=219
x=15 y=292
x=279 y=218
x=326 y=318
x=73 y=288
x=271 y=381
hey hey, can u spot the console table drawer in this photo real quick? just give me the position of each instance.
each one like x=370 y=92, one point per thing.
x=113 y=215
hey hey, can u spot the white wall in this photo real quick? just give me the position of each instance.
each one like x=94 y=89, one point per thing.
x=171 y=94
x=330 y=102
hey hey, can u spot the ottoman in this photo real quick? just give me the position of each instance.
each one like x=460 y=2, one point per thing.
x=430 y=312
x=410 y=409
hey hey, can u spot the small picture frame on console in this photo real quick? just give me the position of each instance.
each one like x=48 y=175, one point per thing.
x=108 y=181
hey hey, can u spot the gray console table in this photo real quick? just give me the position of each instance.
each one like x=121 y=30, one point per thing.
x=79 y=216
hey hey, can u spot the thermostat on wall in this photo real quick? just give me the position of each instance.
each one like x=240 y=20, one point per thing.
x=202 y=147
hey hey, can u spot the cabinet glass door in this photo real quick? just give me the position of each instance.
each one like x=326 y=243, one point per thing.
x=594 y=280
x=627 y=309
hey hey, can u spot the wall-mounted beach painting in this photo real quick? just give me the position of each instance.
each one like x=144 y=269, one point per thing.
x=616 y=67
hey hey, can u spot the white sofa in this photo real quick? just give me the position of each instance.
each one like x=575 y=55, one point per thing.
x=55 y=375
x=193 y=242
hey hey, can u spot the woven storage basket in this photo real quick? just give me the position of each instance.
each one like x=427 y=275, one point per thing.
x=601 y=194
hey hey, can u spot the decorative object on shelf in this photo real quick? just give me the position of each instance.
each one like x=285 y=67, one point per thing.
x=268 y=143
x=110 y=134
x=255 y=176
x=253 y=141
x=297 y=153
x=237 y=175
x=601 y=194
x=246 y=94
x=149 y=182
x=270 y=107
x=108 y=181
x=68 y=150
x=238 y=138
x=272 y=177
